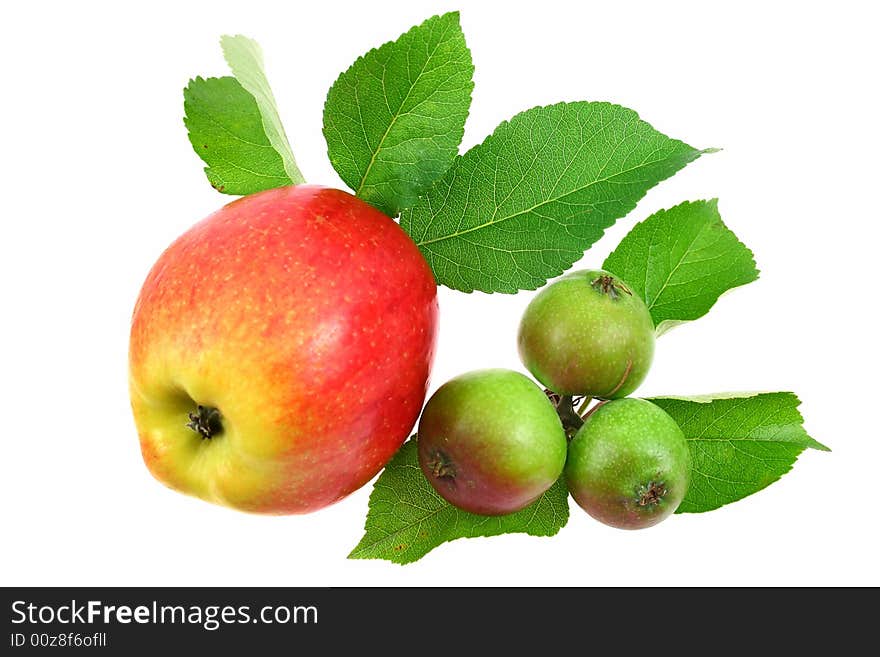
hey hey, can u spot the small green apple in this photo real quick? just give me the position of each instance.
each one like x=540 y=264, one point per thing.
x=587 y=334
x=629 y=464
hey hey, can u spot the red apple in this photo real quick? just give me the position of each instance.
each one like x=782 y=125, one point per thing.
x=280 y=350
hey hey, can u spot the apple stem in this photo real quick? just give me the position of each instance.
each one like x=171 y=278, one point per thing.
x=593 y=409
x=582 y=404
x=205 y=422
x=564 y=404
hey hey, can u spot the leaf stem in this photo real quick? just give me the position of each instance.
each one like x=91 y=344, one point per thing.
x=582 y=406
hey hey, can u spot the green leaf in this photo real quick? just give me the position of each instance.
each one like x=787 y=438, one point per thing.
x=245 y=59
x=681 y=260
x=739 y=444
x=524 y=205
x=407 y=518
x=226 y=131
x=394 y=120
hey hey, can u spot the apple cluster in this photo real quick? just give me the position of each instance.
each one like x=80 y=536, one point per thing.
x=492 y=441
x=280 y=352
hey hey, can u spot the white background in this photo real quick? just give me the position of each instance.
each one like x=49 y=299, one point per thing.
x=98 y=177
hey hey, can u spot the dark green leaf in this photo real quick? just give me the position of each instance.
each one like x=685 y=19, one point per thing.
x=739 y=444
x=234 y=127
x=394 y=120
x=681 y=260
x=524 y=205
x=226 y=130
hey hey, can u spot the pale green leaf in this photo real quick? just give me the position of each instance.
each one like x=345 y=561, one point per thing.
x=245 y=59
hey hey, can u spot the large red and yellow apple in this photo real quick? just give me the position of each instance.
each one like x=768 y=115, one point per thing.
x=280 y=350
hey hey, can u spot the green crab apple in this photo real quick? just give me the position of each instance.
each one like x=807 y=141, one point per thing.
x=628 y=465
x=490 y=442
x=280 y=350
x=587 y=334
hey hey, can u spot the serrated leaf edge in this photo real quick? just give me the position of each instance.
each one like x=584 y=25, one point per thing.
x=217 y=181
x=360 y=60
x=404 y=558
x=489 y=140
x=667 y=325
x=811 y=443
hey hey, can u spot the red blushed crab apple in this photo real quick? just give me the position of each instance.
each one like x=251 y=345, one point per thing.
x=280 y=350
x=490 y=442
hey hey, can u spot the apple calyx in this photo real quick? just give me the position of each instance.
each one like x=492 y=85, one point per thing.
x=651 y=494
x=441 y=466
x=205 y=422
x=610 y=286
